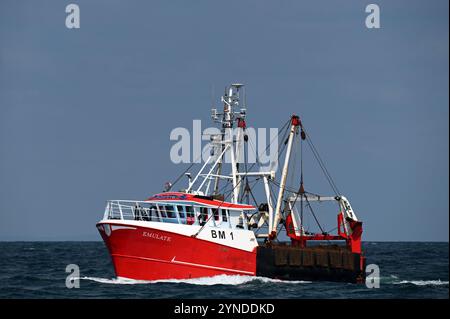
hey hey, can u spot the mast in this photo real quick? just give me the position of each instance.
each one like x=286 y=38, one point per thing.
x=295 y=122
x=229 y=117
x=215 y=117
x=231 y=101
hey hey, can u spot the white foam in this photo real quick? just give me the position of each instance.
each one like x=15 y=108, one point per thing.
x=202 y=281
x=423 y=282
x=117 y=281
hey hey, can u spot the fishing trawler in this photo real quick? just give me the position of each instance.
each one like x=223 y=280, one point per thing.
x=207 y=229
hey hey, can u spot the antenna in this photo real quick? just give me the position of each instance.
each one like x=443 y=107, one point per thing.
x=214 y=113
x=245 y=98
x=212 y=95
x=233 y=106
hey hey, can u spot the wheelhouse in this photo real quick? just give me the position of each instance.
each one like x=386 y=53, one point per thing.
x=180 y=208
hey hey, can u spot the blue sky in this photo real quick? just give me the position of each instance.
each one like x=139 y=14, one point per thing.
x=85 y=115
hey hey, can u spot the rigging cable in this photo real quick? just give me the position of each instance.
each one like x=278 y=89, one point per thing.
x=314 y=215
x=184 y=172
x=322 y=164
x=203 y=226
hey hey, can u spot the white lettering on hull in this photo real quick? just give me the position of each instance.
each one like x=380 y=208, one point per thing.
x=156 y=236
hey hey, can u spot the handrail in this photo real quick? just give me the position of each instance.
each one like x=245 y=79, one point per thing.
x=151 y=211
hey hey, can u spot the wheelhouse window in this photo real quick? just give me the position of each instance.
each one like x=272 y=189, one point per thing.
x=190 y=216
x=215 y=212
x=162 y=209
x=170 y=211
x=181 y=211
x=153 y=212
x=224 y=215
x=203 y=215
x=190 y=211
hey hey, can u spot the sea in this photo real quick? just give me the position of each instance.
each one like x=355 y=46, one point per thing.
x=40 y=270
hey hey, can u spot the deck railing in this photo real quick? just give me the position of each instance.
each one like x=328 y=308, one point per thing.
x=140 y=210
x=164 y=212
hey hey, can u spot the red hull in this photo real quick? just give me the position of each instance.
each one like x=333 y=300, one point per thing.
x=150 y=254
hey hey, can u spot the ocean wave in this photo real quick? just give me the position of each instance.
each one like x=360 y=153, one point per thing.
x=423 y=282
x=116 y=281
x=202 y=281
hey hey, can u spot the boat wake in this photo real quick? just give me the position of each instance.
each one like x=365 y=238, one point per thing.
x=395 y=280
x=235 y=280
x=423 y=282
x=202 y=281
